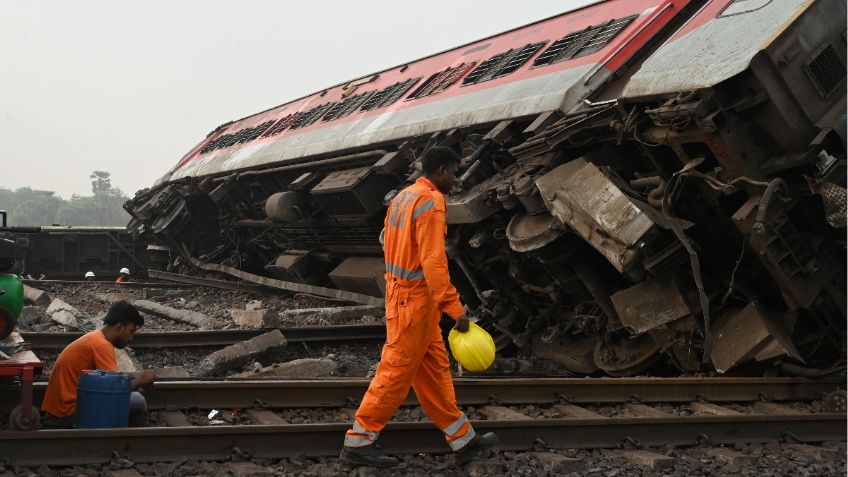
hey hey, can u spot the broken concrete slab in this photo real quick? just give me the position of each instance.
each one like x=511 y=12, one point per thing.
x=67 y=315
x=240 y=353
x=185 y=316
x=97 y=321
x=126 y=363
x=253 y=305
x=255 y=318
x=332 y=313
x=112 y=298
x=36 y=296
x=299 y=368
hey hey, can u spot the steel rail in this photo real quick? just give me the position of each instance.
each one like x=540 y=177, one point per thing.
x=171 y=339
x=342 y=392
x=82 y=446
x=36 y=283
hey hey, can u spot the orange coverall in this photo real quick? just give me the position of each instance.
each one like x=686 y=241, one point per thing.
x=418 y=290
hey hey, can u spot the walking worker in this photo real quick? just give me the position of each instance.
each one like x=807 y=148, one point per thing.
x=95 y=350
x=418 y=291
x=123 y=275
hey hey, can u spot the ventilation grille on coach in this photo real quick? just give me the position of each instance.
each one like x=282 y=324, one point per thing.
x=389 y=94
x=584 y=42
x=826 y=70
x=347 y=106
x=282 y=124
x=441 y=81
x=312 y=115
x=502 y=64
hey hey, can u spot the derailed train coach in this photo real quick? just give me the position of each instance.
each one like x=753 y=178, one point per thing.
x=644 y=183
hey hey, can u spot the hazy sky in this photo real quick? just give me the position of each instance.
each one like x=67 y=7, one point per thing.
x=129 y=87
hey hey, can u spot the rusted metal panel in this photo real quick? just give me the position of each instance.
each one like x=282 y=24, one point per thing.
x=650 y=304
x=580 y=196
x=361 y=275
x=747 y=333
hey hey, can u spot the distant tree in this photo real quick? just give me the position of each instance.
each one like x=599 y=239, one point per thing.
x=104 y=207
x=100 y=182
x=34 y=207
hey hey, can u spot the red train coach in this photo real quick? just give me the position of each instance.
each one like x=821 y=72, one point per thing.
x=644 y=183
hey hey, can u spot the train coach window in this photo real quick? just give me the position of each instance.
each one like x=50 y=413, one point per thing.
x=584 y=42
x=502 y=64
x=441 y=81
x=389 y=94
x=345 y=107
x=312 y=115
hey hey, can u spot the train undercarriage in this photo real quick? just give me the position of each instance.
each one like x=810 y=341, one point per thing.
x=700 y=231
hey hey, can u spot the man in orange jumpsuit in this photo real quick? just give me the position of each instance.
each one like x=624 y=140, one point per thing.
x=418 y=291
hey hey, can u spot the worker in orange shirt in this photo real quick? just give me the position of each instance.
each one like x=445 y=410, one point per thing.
x=418 y=291
x=123 y=275
x=95 y=350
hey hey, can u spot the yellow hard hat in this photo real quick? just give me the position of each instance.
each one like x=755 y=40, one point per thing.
x=474 y=349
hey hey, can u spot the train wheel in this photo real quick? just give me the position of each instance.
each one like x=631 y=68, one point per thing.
x=836 y=401
x=624 y=355
x=17 y=422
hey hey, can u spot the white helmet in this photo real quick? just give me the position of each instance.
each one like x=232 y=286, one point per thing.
x=125 y=271
x=89 y=274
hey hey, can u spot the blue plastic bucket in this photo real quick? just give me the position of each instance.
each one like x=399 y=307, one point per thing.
x=103 y=400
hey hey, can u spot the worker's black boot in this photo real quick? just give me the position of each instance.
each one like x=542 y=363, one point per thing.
x=369 y=455
x=476 y=447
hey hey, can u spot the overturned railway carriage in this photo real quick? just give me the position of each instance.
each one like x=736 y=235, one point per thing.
x=643 y=182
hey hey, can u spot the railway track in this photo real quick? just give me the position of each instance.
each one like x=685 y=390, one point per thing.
x=229 y=394
x=200 y=338
x=722 y=411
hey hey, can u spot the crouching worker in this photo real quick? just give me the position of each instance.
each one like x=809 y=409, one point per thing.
x=418 y=291
x=95 y=350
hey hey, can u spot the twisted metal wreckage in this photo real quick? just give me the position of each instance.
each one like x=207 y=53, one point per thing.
x=642 y=181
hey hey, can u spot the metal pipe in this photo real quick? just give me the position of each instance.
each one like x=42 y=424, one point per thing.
x=311 y=164
x=765 y=201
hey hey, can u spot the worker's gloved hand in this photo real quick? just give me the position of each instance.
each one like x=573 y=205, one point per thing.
x=461 y=324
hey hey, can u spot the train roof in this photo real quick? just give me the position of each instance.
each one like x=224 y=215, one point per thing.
x=717 y=43
x=547 y=65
